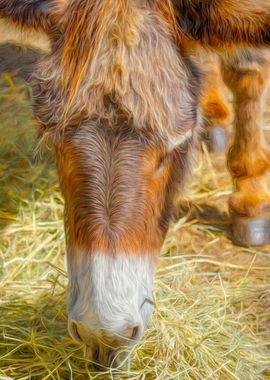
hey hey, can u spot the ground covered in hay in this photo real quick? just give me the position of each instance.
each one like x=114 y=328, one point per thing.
x=212 y=299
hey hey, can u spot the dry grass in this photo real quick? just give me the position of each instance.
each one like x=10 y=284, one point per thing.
x=212 y=308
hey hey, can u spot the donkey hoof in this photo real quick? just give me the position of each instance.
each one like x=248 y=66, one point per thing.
x=248 y=231
x=218 y=138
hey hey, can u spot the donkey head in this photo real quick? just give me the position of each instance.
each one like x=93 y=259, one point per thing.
x=119 y=186
x=127 y=101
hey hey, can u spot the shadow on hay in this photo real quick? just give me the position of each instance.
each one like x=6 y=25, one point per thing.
x=17 y=60
x=207 y=213
x=21 y=179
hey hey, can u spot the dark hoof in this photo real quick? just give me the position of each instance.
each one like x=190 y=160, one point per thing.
x=251 y=231
x=217 y=139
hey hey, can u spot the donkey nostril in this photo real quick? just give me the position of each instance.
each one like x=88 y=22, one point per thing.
x=73 y=331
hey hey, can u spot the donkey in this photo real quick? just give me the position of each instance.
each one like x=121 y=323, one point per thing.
x=119 y=98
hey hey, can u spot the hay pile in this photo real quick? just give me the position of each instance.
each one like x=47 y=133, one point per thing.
x=212 y=300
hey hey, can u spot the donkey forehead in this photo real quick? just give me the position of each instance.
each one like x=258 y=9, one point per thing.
x=113 y=189
x=111 y=164
x=99 y=144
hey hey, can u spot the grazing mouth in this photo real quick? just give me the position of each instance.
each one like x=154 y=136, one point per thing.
x=107 y=358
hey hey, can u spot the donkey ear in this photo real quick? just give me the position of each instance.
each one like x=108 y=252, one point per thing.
x=221 y=23
x=38 y=14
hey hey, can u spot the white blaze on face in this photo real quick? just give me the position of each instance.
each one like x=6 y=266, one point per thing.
x=110 y=294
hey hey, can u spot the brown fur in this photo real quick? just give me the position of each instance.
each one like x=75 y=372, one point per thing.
x=223 y=23
x=121 y=72
x=130 y=75
x=124 y=205
x=119 y=194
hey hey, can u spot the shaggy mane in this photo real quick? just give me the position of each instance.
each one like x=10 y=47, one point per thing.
x=118 y=57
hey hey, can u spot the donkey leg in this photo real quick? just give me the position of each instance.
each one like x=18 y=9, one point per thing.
x=216 y=109
x=248 y=159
